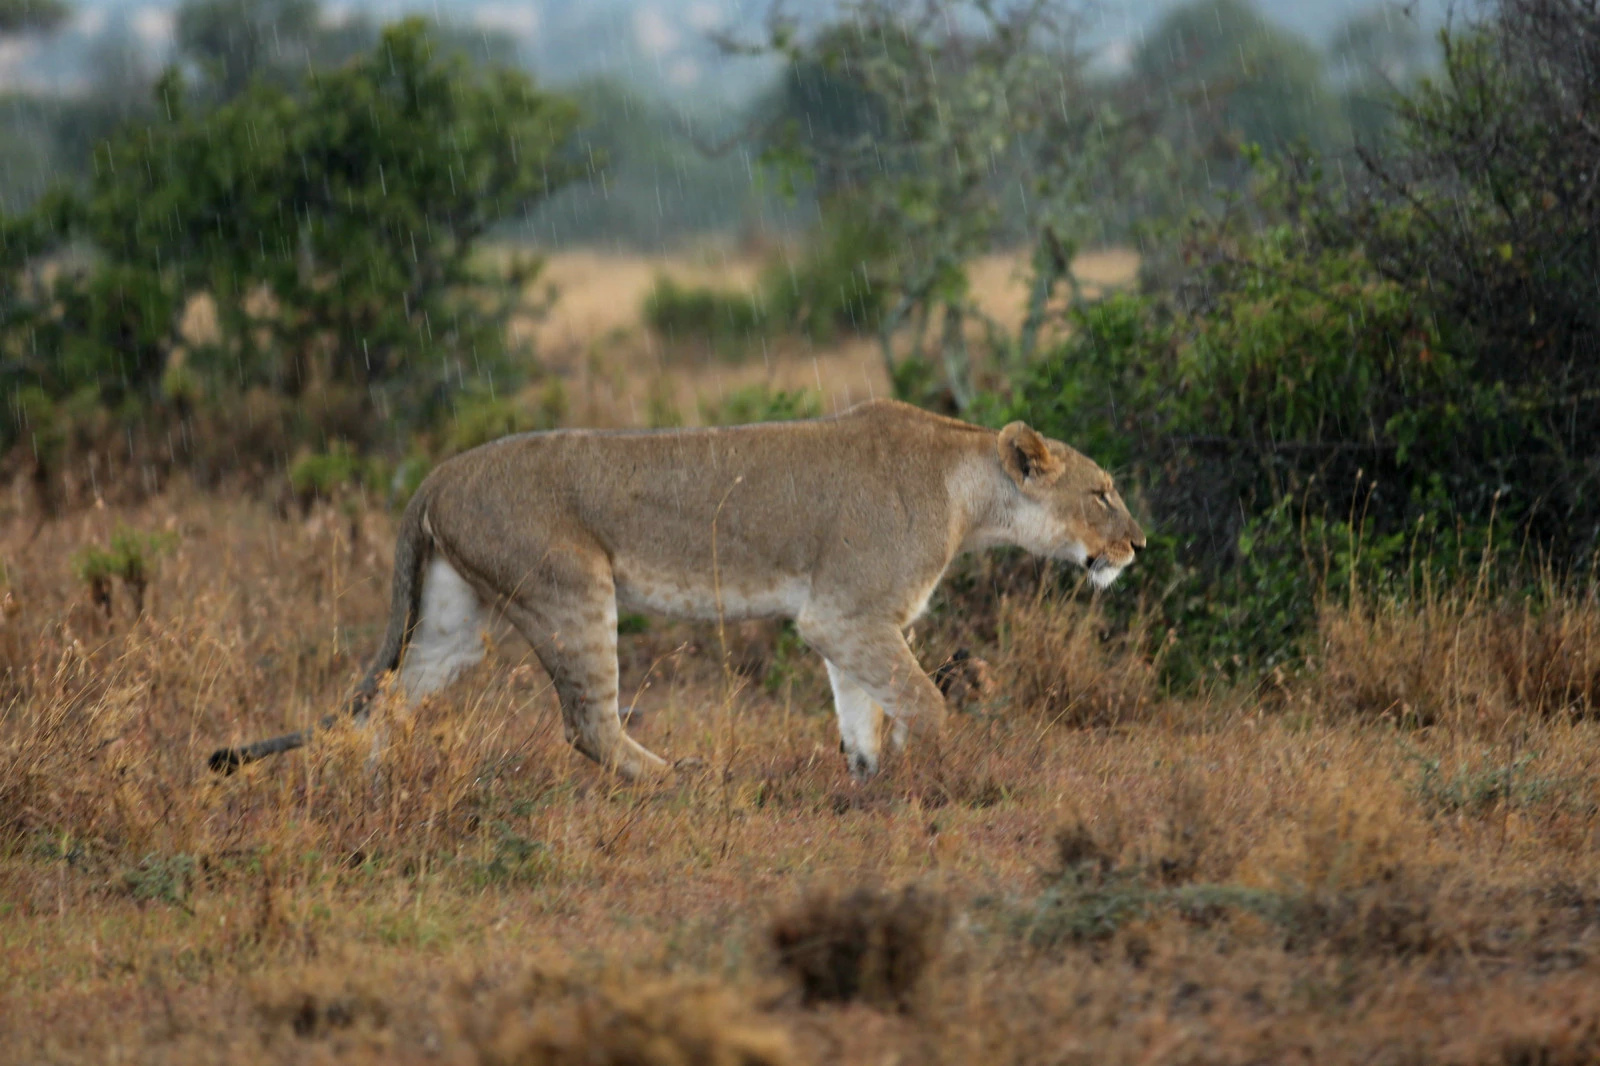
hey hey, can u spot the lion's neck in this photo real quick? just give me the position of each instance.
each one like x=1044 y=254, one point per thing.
x=979 y=505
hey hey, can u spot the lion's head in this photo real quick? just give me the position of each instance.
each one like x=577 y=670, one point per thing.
x=1067 y=507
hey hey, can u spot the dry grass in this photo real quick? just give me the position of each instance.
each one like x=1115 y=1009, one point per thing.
x=1462 y=661
x=1124 y=879
x=1059 y=664
x=1393 y=862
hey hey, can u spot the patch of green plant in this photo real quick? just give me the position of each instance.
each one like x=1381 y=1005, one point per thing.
x=829 y=290
x=630 y=623
x=480 y=419
x=513 y=860
x=328 y=475
x=726 y=320
x=162 y=879
x=1291 y=427
x=129 y=557
x=408 y=477
x=1087 y=902
x=760 y=403
x=1091 y=895
x=789 y=656
x=1478 y=787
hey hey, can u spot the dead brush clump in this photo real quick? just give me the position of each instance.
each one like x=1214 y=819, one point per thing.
x=1057 y=664
x=867 y=945
x=556 y=1019
x=1354 y=871
x=1459 y=661
x=317 y=1001
x=1344 y=880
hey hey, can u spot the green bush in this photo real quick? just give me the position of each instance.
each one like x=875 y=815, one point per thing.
x=725 y=321
x=328 y=475
x=331 y=225
x=481 y=419
x=129 y=557
x=828 y=291
x=1297 y=425
x=759 y=403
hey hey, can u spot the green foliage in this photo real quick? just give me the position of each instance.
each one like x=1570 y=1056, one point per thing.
x=790 y=659
x=24 y=16
x=1377 y=56
x=902 y=121
x=725 y=321
x=759 y=403
x=1477 y=788
x=828 y=290
x=1268 y=84
x=327 y=475
x=661 y=181
x=234 y=42
x=1093 y=894
x=480 y=419
x=129 y=558
x=1300 y=425
x=333 y=226
x=824 y=292
x=165 y=879
x=514 y=860
x=1480 y=193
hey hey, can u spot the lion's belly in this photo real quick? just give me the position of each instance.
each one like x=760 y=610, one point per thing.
x=701 y=597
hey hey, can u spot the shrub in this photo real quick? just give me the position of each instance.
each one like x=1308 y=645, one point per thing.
x=724 y=321
x=1296 y=422
x=828 y=291
x=869 y=945
x=129 y=558
x=759 y=403
x=555 y=1019
x=1478 y=210
x=328 y=475
x=480 y=419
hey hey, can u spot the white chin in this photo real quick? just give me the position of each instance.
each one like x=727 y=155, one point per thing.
x=1074 y=553
x=1101 y=577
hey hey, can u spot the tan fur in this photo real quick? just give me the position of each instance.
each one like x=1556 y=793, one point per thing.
x=843 y=524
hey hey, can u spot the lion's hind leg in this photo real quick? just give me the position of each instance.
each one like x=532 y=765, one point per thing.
x=567 y=612
x=449 y=634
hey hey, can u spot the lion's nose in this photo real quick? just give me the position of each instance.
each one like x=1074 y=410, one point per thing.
x=1137 y=541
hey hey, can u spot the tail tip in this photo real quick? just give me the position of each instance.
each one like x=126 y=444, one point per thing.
x=225 y=761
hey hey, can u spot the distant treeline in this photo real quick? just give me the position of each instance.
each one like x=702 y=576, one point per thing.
x=679 y=167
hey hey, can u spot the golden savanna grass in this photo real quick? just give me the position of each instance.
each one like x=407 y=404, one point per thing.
x=1388 y=857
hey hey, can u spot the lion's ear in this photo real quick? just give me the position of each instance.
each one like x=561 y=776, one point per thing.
x=1026 y=456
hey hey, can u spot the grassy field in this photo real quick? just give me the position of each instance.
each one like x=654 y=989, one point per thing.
x=1388 y=857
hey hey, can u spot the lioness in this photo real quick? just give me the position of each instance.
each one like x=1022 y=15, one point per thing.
x=843 y=524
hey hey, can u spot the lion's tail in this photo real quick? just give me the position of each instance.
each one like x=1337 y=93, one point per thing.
x=405 y=601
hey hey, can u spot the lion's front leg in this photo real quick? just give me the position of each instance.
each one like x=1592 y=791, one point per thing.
x=859 y=721
x=569 y=617
x=877 y=666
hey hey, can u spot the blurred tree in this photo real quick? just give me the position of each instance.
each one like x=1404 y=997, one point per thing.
x=1376 y=55
x=336 y=228
x=24 y=16
x=1260 y=83
x=657 y=185
x=935 y=129
x=233 y=42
